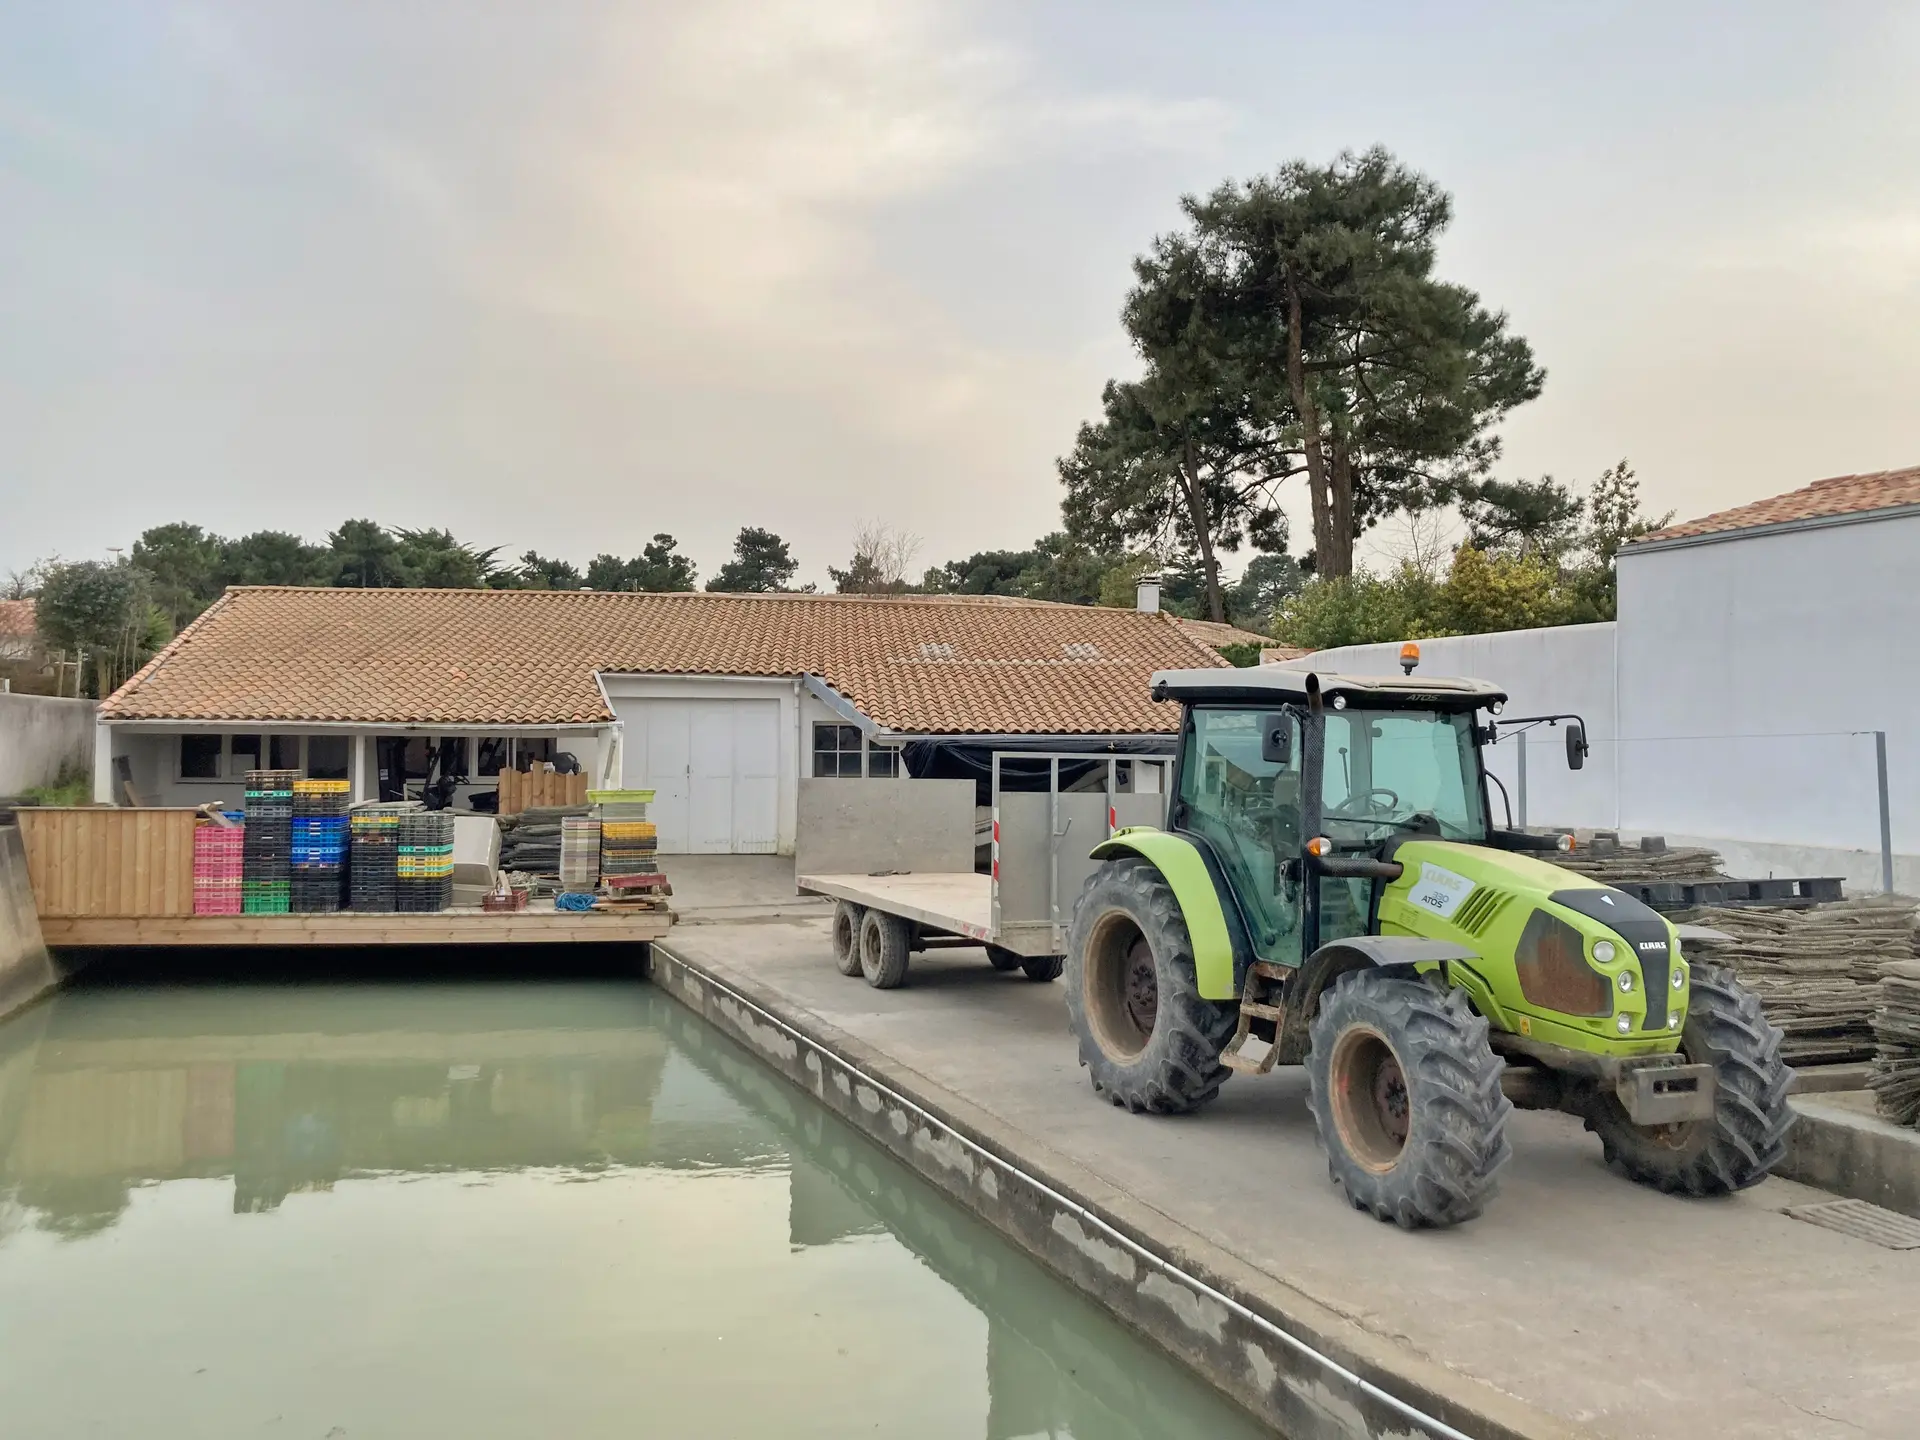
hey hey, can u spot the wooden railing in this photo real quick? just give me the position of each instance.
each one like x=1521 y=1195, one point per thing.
x=102 y=861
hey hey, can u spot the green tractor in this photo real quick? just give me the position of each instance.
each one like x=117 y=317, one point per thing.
x=1331 y=891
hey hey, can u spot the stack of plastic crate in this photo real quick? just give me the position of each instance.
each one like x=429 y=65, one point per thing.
x=266 y=872
x=629 y=843
x=372 y=857
x=218 y=854
x=424 y=861
x=579 y=854
x=319 y=846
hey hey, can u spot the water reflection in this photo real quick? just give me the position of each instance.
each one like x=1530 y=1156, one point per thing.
x=111 y=1101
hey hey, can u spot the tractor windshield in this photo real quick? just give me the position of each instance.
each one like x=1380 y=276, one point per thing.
x=1388 y=771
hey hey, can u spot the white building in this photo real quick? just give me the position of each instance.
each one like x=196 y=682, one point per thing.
x=1736 y=700
x=721 y=704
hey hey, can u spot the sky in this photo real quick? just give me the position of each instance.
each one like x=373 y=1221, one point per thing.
x=562 y=276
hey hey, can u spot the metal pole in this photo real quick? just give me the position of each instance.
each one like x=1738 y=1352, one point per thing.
x=1886 y=812
x=995 y=921
x=1522 y=738
x=1053 y=848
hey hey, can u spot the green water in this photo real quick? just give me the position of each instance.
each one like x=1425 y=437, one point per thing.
x=515 y=1209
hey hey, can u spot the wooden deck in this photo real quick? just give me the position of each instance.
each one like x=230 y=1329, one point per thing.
x=959 y=901
x=544 y=926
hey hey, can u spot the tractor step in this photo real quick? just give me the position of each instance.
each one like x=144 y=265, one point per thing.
x=1251 y=1051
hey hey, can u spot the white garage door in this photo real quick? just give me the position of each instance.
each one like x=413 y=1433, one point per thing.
x=714 y=768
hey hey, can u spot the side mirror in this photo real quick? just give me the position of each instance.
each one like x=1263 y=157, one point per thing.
x=1276 y=740
x=1577 y=746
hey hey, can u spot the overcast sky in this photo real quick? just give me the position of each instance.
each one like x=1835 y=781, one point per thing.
x=563 y=275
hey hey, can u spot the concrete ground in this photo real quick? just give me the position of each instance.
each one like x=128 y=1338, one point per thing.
x=1636 y=1315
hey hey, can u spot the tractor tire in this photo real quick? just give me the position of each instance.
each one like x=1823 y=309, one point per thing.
x=1042 y=968
x=846 y=936
x=1747 y=1135
x=1148 y=1040
x=886 y=942
x=1405 y=1093
x=1004 y=959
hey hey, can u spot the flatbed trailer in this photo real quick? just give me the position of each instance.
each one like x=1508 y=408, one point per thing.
x=1020 y=906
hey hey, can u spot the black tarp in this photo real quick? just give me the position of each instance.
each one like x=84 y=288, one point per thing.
x=971 y=758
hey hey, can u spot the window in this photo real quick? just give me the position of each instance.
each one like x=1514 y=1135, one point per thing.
x=200 y=757
x=836 y=750
x=243 y=754
x=493 y=755
x=883 y=763
x=285 y=750
x=327 y=757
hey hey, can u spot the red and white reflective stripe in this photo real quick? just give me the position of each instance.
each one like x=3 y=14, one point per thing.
x=996 y=844
x=1113 y=819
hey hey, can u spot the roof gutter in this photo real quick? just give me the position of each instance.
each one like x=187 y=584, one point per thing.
x=1780 y=527
x=841 y=706
x=390 y=727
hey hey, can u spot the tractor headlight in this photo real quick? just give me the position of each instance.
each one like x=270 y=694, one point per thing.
x=1626 y=982
x=1603 y=951
x=1673 y=1019
x=1679 y=977
x=1624 y=1024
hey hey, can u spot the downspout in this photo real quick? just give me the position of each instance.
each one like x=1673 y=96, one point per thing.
x=613 y=758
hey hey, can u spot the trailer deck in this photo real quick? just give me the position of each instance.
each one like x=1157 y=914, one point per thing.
x=956 y=903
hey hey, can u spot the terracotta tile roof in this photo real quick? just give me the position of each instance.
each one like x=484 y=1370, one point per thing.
x=16 y=620
x=526 y=657
x=1214 y=632
x=1842 y=495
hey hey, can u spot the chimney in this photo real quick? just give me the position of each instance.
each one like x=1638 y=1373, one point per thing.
x=1147 y=595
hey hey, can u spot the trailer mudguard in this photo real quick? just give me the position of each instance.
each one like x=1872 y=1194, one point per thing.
x=1180 y=865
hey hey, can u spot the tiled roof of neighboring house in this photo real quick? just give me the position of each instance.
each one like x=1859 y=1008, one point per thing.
x=927 y=664
x=16 y=620
x=1214 y=632
x=1278 y=654
x=1842 y=495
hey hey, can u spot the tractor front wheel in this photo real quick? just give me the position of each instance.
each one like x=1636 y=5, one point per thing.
x=1147 y=1038
x=1747 y=1134
x=1405 y=1093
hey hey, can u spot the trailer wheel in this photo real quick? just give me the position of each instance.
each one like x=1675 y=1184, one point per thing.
x=1042 y=968
x=885 y=943
x=1747 y=1134
x=1405 y=1093
x=846 y=936
x=1004 y=959
x=1147 y=1038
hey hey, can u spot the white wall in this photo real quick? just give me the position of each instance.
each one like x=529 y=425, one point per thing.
x=41 y=736
x=1744 y=664
x=1568 y=668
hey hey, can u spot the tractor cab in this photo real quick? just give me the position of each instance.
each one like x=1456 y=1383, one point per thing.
x=1301 y=786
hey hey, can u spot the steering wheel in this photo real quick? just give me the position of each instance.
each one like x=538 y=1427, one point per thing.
x=1366 y=798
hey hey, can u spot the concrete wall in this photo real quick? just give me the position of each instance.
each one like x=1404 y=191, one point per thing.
x=26 y=971
x=1747 y=667
x=1568 y=668
x=41 y=736
x=863 y=827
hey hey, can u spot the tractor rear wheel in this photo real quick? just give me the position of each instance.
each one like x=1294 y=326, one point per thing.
x=1747 y=1133
x=1405 y=1093
x=886 y=943
x=1147 y=1038
x=1004 y=959
x=846 y=936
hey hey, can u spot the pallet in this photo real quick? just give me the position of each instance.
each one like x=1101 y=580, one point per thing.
x=1786 y=893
